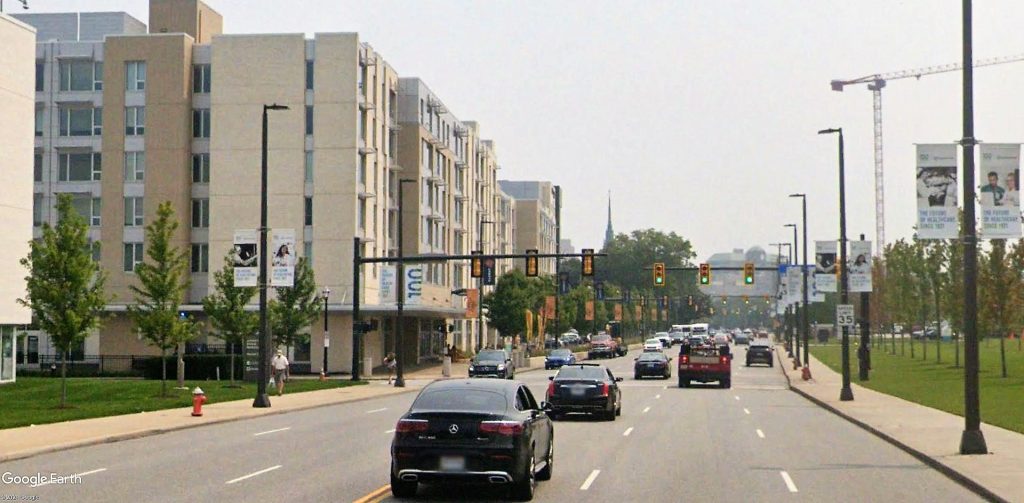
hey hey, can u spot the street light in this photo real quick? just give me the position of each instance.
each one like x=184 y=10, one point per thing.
x=326 y=292
x=400 y=292
x=262 y=400
x=805 y=325
x=480 y=299
x=846 y=394
x=796 y=337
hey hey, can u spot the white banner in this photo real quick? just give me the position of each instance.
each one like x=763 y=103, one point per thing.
x=1000 y=194
x=860 y=266
x=388 y=293
x=413 y=285
x=282 y=257
x=936 y=192
x=794 y=279
x=825 y=265
x=783 y=293
x=247 y=258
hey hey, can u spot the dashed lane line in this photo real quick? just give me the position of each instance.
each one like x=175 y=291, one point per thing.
x=382 y=409
x=271 y=431
x=789 y=482
x=590 y=480
x=746 y=411
x=253 y=474
x=760 y=433
x=627 y=432
x=646 y=409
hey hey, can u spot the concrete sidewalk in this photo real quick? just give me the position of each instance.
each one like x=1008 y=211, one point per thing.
x=931 y=435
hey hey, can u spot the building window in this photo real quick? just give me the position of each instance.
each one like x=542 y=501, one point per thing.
x=307 y=251
x=88 y=207
x=76 y=121
x=133 y=214
x=200 y=168
x=84 y=167
x=97 y=121
x=200 y=213
x=201 y=257
x=359 y=79
x=97 y=76
x=361 y=173
x=361 y=216
x=37 y=167
x=201 y=123
x=134 y=166
x=76 y=75
x=134 y=121
x=37 y=209
x=309 y=119
x=39 y=122
x=309 y=166
x=309 y=211
x=309 y=74
x=39 y=76
x=95 y=215
x=133 y=254
x=201 y=78
x=135 y=75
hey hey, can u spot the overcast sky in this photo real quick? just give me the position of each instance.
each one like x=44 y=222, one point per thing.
x=699 y=116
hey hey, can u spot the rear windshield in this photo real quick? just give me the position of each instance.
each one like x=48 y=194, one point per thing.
x=759 y=346
x=475 y=400
x=581 y=373
x=599 y=338
x=560 y=352
x=491 y=356
x=653 y=341
x=653 y=356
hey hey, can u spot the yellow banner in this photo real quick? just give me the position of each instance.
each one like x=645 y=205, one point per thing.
x=618 y=312
x=589 y=311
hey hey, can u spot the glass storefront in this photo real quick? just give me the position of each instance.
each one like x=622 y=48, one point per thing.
x=6 y=353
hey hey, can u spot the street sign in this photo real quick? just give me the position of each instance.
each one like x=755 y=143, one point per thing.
x=599 y=290
x=844 y=315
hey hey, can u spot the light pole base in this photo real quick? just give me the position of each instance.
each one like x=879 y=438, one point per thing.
x=400 y=383
x=846 y=395
x=973 y=442
x=261 y=401
x=806 y=373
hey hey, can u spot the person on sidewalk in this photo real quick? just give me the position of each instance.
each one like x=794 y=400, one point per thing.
x=280 y=366
x=389 y=363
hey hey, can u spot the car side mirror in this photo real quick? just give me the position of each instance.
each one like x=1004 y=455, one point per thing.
x=618 y=379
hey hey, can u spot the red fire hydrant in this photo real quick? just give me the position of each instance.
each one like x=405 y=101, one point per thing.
x=198 y=399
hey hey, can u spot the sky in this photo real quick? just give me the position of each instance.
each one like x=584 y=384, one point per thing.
x=700 y=117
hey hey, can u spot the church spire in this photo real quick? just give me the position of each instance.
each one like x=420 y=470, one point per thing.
x=609 y=234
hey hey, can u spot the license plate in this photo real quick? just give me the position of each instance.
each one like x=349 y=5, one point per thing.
x=453 y=463
x=578 y=391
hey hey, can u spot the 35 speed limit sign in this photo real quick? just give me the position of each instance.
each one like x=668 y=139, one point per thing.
x=844 y=315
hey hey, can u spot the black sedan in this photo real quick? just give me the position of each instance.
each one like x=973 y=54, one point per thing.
x=760 y=353
x=492 y=363
x=473 y=431
x=652 y=364
x=585 y=387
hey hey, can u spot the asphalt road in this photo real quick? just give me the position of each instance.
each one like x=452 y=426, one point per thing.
x=754 y=442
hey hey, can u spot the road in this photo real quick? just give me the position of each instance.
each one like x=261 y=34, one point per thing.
x=754 y=442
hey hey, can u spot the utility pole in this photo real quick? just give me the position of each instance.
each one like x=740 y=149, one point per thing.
x=864 y=351
x=558 y=251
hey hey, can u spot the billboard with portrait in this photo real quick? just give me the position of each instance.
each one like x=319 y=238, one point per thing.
x=936 y=192
x=999 y=193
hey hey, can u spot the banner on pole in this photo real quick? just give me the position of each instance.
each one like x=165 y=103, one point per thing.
x=472 y=302
x=246 y=258
x=618 y=312
x=825 y=265
x=860 y=266
x=413 y=284
x=1000 y=195
x=388 y=293
x=782 y=294
x=589 y=311
x=549 y=307
x=795 y=289
x=282 y=258
x=936 y=192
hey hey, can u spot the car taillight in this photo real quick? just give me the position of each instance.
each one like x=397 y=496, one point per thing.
x=604 y=389
x=411 y=426
x=685 y=359
x=551 y=389
x=504 y=428
x=723 y=359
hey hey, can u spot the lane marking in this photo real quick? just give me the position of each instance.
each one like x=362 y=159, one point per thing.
x=736 y=397
x=657 y=397
x=377 y=495
x=90 y=472
x=746 y=410
x=377 y=410
x=664 y=387
x=789 y=482
x=590 y=480
x=253 y=474
x=760 y=433
x=645 y=410
x=390 y=431
x=271 y=431
x=627 y=432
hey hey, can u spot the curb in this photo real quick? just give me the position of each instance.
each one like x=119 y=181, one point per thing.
x=933 y=463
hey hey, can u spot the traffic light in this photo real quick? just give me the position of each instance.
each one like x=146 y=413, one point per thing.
x=531 y=263
x=746 y=300
x=477 y=266
x=689 y=300
x=588 y=262
x=705 y=274
x=659 y=274
x=748 y=273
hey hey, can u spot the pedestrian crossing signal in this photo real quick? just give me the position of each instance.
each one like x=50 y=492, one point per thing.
x=659 y=274
x=748 y=273
x=705 y=274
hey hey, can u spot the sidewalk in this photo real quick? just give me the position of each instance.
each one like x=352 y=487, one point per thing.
x=931 y=435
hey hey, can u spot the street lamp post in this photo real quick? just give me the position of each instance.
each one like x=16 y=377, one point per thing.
x=805 y=323
x=796 y=335
x=846 y=394
x=326 y=292
x=400 y=291
x=480 y=294
x=262 y=400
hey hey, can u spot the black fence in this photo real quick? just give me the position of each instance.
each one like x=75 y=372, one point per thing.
x=198 y=366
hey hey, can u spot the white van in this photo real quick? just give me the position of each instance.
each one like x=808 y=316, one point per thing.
x=679 y=333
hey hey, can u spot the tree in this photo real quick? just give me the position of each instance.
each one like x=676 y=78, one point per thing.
x=953 y=295
x=163 y=281
x=902 y=292
x=936 y=256
x=226 y=309
x=295 y=308
x=64 y=284
x=997 y=293
x=512 y=296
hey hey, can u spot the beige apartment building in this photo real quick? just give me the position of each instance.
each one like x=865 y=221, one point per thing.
x=534 y=217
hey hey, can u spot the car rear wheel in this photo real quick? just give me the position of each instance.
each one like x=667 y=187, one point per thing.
x=545 y=474
x=726 y=383
x=401 y=488
x=523 y=488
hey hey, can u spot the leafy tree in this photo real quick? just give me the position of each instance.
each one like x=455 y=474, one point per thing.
x=953 y=295
x=64 y=284
x=998 y=294
x=936 y=256
x=512 y=296
x=295 y=308
x=226 y=309
x=902 y=292
x=163 y=281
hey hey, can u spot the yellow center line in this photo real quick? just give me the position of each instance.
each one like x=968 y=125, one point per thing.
x=374 y=496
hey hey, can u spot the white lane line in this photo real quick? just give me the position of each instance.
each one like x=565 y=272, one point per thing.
x=90 y=472
x=736 y=397
x=390 y=431
x=788 y=481
x=657 y=397
x=747 y=411
x=627 y=432
x=664 y=387
x=376 y=410
x=645 y=410
x=590 y=480
x=253 y=474
x=760 y=433
x=271 y=431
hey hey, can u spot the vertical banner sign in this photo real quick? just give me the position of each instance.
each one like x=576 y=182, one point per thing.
x=413 y=285
x=247 y=257
x=825 y=266
x=795 y=280
x=815 y=295
x=282 y=257
x=541 y=325
x=618 y=312
x=783 y=294
x=388 y=286
x=589 y=311
x=472 y=302
x=639 y=312
x=1000 y=194
x=488 y=271
x=860 y=266
x=529 y=323
x=563 y=283
x=664 y=315
x=549 y=307
x=936 y=192
x=654 y=314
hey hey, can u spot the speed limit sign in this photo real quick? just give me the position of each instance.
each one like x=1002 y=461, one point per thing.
x=844 y=315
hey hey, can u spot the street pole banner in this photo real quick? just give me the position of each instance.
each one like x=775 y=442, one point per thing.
x=936 y=192
x=860 y=269
x=815 y=294
x=1000 y=196
x=783 y=294
x=413 y=284
x=825 y=265
x=549 y=307
x=388 y=291
x=589 y=311
x=282 y=258
x=472 y=302
x=618 y=312
x=654 y=314
x=795 y=280
x=246 y=257
x=529 y=324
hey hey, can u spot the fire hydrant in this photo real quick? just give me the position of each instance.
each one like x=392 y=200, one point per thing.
x=198 y=399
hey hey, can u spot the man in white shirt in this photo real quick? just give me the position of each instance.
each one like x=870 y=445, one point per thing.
x=280 y=367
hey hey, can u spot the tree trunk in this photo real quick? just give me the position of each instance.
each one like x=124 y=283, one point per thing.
x=938 y=330
x=911 y=342
x=163 y=370
x=181 y=365
x=232 y=371
x=64 y=380
x=892 y=333
x=1002 y=352
x=903 y=343
x=956 y=348
x=924 y=336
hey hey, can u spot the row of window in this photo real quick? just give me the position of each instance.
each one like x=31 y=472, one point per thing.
x=88 y=167
x=79 y=121
x=87 y=75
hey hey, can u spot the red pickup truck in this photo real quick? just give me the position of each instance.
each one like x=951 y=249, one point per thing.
x=705 y=363
x=604 y=346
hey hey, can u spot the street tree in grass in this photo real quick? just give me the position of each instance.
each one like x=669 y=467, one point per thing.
x=226 y=309
x=163 y=280
x=64 y=284
x=295 y=308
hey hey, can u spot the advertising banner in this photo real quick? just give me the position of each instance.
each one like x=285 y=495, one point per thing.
x=936 y=192
x=247 y=258
x=639 y=312
x=282 y=257
x=472 y=302
x=1000 y=194
x=618 y=312
x=413 y=284
x=549 y=307
x=589 y=311
x=783 y=292
x=388 y=286
x=860 y=266
x=825 y=266
x=529 y=324
x=795 y=280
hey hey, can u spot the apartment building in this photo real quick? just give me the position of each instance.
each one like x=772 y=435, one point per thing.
x=535 y=218
x=16 y=87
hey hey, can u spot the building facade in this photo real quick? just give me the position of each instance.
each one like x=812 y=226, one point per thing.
x=535 y=218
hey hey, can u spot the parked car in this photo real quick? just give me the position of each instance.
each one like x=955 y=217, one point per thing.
x=652 y=364
x=492 y=363
x=558 y=357
x=585 y=387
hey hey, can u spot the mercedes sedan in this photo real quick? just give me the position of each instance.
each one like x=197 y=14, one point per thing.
x=652 y=364
x=585 y=387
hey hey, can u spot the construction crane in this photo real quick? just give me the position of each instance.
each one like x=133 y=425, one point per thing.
x=875 y=84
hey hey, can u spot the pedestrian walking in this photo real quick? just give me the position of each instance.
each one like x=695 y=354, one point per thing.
x=280 y=367
x=390 y=363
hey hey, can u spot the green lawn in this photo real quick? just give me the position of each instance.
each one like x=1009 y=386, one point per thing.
x=941 y=385
x=35 y=400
